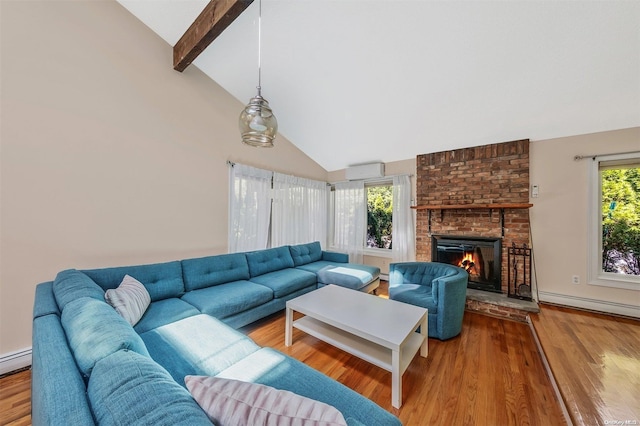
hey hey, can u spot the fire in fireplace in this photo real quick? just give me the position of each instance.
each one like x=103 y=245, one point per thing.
x=480 y=257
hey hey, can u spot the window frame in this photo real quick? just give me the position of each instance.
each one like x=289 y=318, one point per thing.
x=596 y=276
x=369 y=251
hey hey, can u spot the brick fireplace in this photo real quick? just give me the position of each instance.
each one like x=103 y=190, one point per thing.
x=474 y=193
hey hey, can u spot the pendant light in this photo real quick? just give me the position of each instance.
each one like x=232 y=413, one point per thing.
x=258 y=125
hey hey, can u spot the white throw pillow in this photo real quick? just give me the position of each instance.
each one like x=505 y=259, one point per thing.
x=130 y=299
x=235 y=403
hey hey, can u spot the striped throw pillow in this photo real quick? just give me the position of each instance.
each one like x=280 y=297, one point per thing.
x=237 y=403
x=130 y=299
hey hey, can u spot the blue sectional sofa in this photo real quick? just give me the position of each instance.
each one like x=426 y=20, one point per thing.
x=91 y=366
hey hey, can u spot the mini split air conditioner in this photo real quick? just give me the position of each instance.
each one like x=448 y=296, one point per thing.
x=365 y=171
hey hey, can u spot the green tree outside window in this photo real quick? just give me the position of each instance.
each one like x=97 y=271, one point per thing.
x=621 y=220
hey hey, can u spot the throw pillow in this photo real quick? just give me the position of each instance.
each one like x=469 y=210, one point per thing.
x=237 y=403
x=130 y=299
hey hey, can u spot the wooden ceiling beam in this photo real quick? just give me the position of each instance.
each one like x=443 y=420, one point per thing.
x=211 y=22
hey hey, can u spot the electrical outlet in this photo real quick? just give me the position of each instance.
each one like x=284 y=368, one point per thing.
x=575 y=279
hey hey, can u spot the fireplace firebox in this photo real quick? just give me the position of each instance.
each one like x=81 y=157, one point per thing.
x=480 y=257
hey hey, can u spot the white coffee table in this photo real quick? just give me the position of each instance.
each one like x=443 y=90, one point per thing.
x=380 y=331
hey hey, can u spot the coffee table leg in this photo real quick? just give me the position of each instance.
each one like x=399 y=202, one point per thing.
x=424 y=330
x=396 y=380
x=288 y=328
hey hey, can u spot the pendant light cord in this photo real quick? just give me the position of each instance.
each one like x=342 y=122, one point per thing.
x=259 y=47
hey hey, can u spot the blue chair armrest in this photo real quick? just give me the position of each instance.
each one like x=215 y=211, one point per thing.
x=450 y=293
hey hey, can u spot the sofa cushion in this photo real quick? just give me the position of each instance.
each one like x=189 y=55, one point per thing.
x=415 y=294
x=273 y=368
x=286 y=281
x=306 y=253
x=318 y=265
x=238 y=403
x=269 y=260
x=162 y=280
x=127 y=388
x=214 y=270
x=227 y=299
x=198 y=345
x=130 y=299
x=71 y=284
x=95 y=330
x=164 y=312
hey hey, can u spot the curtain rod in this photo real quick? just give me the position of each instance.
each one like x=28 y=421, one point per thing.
x=594 y=156
x=231 y=163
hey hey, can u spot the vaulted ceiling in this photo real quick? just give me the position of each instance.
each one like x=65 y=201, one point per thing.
x=358 y=81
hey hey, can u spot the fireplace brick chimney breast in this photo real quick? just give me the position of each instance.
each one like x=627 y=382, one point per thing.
x=489 y=174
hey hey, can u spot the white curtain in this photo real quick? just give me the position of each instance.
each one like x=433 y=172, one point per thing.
x=300 y=209
x=249 y=208
x=350 y=219
x=403 y=238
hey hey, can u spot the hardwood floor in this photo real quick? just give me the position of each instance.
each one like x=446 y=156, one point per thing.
x=15 y=399
x=492 y=374
x=595 y=360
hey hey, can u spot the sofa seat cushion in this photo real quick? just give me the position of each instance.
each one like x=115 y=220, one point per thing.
x=239 y=403
x=306 y=253
x=286 y=281
x=162 y=280
x=95 y=330
x=198 y=345
x=163 y=312
x=71 y=284
x=352 y=276
x=273 y=368
x=213 y=270
x=227 y=299
x=128 y=387
x=318 y=265
x=264 y=261
x=414 y=294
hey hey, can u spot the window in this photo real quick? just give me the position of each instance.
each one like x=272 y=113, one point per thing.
x=379 y=216
x=615 y=221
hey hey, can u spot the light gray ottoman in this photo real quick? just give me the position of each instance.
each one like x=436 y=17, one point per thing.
x=354 y=276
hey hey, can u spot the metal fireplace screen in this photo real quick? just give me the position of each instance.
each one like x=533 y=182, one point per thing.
x=480 y=257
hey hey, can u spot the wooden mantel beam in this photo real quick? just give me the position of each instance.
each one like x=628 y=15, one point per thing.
x=211 y=22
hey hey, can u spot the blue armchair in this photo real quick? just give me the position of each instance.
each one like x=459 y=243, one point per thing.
x=439 y=287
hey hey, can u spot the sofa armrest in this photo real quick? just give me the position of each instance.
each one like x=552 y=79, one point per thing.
x=334 y=256
x=58 y=391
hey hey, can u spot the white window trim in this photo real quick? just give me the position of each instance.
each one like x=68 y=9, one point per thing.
x=595 y=274
x=368 y=251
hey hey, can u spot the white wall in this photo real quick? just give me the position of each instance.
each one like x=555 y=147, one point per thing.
x=109 y=156
x=559 y=220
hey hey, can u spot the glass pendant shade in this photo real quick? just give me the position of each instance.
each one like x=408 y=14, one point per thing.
x=258 y=125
